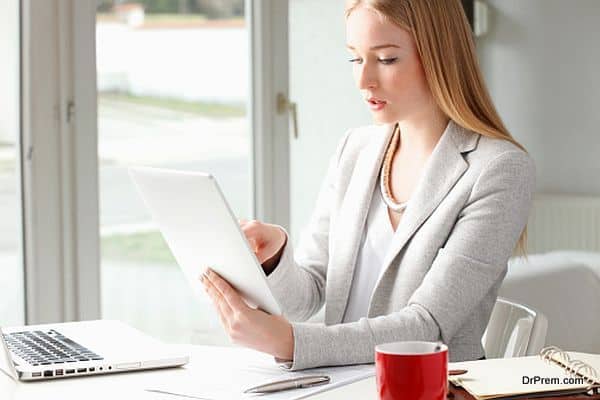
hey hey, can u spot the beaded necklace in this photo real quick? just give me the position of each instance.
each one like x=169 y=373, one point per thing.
x=384 y=182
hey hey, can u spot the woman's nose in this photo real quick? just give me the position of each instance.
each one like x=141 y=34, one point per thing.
x=366 y=78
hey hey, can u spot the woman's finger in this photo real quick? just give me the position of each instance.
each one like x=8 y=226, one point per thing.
x=253 y=244
x=231 y=296
x=252 y=234
x=251 y=237
x=219 y=301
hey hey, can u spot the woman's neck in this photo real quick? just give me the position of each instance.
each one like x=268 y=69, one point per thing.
x=421 y=133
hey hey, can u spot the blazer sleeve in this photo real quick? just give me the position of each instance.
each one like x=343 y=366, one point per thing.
x=298 y=281
x=472 y=261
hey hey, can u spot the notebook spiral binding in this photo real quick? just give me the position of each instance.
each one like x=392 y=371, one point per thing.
x=575 y=368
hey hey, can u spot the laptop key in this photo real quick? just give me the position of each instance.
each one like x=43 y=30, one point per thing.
x=45 y=348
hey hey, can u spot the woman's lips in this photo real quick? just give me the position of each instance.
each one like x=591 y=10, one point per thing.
x=376 y=105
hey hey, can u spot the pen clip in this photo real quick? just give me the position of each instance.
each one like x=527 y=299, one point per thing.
x=321 y=380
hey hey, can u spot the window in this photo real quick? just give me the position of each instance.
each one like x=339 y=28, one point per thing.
x=172 y=93
x=94 y=102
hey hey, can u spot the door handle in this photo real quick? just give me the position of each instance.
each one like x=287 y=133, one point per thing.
x=285 y=106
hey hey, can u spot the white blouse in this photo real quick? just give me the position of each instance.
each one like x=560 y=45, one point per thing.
x=376 y=239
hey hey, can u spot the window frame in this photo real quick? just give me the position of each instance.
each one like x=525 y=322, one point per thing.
x=59 y=177
x=269 y=69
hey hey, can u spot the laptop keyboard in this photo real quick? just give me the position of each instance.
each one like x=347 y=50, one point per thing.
x=49 y=347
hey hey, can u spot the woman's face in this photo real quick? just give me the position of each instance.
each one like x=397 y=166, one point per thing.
x=386 y=68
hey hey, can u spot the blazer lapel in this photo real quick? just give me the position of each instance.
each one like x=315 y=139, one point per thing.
x=351 y=223
x=443 y=169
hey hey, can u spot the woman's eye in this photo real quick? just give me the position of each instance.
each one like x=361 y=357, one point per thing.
x=388 y=60
x=384 y=61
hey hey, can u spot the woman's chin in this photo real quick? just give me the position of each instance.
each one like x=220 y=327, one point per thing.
x=382 y=119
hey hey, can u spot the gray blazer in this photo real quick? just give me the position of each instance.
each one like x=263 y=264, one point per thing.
x=450 y=250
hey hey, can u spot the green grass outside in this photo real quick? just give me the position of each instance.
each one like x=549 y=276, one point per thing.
x=174 y=18
x=215 y=110
x=144 y=247
x=8 y=167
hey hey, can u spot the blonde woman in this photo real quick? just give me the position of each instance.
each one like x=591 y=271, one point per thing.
x=418 y=214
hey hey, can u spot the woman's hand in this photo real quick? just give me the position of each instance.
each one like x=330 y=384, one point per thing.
x=245 y=325
x=267 y=242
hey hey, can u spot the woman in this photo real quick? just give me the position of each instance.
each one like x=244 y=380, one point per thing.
x=418 y=215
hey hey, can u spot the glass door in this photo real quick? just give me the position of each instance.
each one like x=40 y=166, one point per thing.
x=12 y=303
x=172 y=93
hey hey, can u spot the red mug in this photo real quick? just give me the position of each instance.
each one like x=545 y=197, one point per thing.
x=412 y=371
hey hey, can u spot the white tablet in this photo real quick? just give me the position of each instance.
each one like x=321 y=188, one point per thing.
x=201 y=231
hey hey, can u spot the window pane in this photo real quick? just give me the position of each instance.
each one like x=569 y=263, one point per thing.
x=11 y=265
x=172 y=83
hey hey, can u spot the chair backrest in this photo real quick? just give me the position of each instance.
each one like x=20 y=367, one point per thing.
x=514 y=330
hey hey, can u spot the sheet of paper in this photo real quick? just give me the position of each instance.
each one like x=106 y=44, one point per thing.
x=224 y=373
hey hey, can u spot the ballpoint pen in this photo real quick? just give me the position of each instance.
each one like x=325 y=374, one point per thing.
x=293 y=383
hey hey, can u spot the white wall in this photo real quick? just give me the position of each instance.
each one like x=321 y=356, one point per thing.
x=9 y=71
x=541 y=60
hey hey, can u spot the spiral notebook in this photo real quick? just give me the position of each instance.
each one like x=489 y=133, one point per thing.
x=553 y=372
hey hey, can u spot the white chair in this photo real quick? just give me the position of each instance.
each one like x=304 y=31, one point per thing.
x=565 y=287
x=514 y=330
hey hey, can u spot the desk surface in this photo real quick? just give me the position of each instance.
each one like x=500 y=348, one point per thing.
x=131 y=385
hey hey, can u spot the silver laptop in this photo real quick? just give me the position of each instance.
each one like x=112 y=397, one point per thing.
x=70 y=349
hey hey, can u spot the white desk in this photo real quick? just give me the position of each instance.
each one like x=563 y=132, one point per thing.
x=131 y=385
x=363 y=390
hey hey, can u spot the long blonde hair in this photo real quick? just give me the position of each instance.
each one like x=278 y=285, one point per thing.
x=443 y=39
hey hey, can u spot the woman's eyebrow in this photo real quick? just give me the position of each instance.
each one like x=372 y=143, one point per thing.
x=378 y=47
